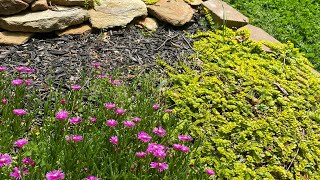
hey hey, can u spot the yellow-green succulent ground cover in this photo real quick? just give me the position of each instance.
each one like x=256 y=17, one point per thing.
x=257 y=114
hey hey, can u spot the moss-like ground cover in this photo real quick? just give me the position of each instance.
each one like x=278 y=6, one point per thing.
x=287 y=20
x=257 y=114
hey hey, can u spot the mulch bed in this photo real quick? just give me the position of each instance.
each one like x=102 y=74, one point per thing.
x=64 y=58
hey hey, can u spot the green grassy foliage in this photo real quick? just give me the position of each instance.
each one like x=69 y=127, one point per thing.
x=287 y=20
x=258 y=113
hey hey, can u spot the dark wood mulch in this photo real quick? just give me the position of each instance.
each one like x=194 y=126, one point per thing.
x=64 y=58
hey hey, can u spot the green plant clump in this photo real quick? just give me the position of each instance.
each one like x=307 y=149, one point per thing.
x=257 y=113
x=287 y=20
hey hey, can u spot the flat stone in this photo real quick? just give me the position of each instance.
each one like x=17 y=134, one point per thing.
x=14 y=38
x=44 y=21
x=8 y=7
x=258 y=34
x=149 y=23
x=175 y=12
x=112 y=13
x=70 y=2
x=224 y=13
x=78 y=29
x=39 y=5
x=195 y=2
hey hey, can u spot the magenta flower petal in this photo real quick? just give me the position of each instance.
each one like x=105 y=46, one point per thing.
x=111 y=122
x=75 y=120
x=2 y=68
x=74 y=138
x=76 y=87
x=19 y=112
x=21 y=142
x=55 y=175
x=17 y=82
x=4 y=101
x=143 y=136
x=136 y=119
x=210 y=172
x=109 y=105
x=92 y=178
x=156 y=106
x=5 y=159
x=28 y=161
x=128 y=124
x=185 y=138
x=159 y=131
x=120 y=111
x=141 y=154
x=93 y=119
x=114 y=140
x=28 y=82
x=62 y=115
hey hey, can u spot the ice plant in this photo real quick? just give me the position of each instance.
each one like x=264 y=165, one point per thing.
x=141 y=154
x=101 y=76
x=136 y=119
x=4 y=101
x=92 y=178
x=120 y=111
x=160 y=166
x=143 y=136
x=210 y=172
x=93 y=119
x=62 y=115
x=109 y=105
x=116 y=82
x=19 y=112
x=155 y=106
x=17 y=173
x=5 y=159
x=184 y=137
x=153 y=147
x=20 y=143
x=28 y=161
x=55 y=175
x=27 y=82
x=96 y=64
x=159 y=131
x=160 y=154
x=76 y=87
x=128 y=124
x=62 y=101
x=111 y=122
x=168 y=110
x=75 y=120
x=74 y=138
x=181 y=147
x=114 y=140
x=17 y=82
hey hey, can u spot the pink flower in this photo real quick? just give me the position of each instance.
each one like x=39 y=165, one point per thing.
x=168 y=110
x=185 y=138
x=93 y=119
x=153 y=147
x=17 y=173
x=21 y=142
x=24 y=69
x=120 y=111
x=28 y=161
x=160 y=154
x=55 y=175
x=136 y=119
x=16 y=82
x=19 y=112
x=210 y=172
x=155 y=106
x=159 y=131
x=143 y=136
x=128 y=124
x=4 y=101
x=101 y=76
x=74 y=138
x=96 y=64
x=180 y=147
x=75 y=120
x=160 y=166
x=5 y=159
x=62 y=115
x=114 y=140
x=116 y=82
x=63 y=101
x=28 y=82
x=92 y=178
x=141 y=154
x=111 y=122
x=109 y=105
x=76 y=87
x=2 y=68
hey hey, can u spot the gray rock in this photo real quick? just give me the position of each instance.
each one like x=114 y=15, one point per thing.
x=175 y=12
x=223 y=13
x=8 y=7
x=112 y=13
x=44 y=21
x=70 y=2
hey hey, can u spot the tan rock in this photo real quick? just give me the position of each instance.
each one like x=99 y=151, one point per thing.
x=224 y=13
x=8 y=7
x=70 y=2
x=39 y=5
x=258 y=34
x=175 y=12
x=194 y=2
x=112 y=13
x=149 y=23
x=14 y=38
x=44 y=21
x=78 y=29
